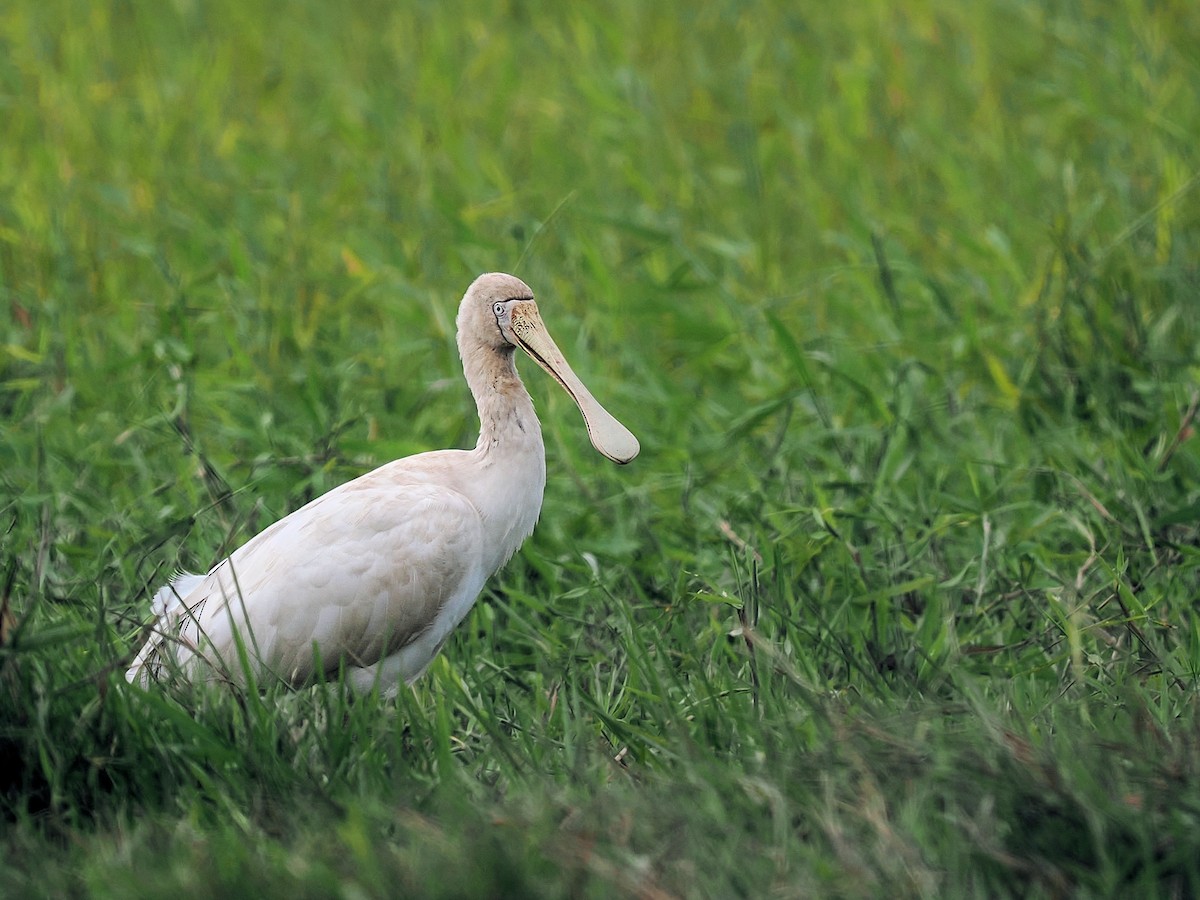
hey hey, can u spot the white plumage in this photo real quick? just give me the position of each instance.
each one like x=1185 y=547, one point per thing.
x=374 y=575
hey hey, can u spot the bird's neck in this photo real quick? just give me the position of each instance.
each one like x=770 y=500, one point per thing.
x=509 y=459
x=507 y=421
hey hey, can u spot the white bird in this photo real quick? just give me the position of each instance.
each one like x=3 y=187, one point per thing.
x=374 y=575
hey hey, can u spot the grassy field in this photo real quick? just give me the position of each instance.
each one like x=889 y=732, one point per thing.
x=903 y=301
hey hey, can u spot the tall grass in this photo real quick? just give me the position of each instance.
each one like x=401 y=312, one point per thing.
x=900 y=597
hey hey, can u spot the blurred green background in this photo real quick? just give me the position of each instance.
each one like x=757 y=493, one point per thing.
x=901 y=300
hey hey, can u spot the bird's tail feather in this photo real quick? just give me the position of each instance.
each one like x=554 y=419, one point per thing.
x=168 y=608
x=169 y=599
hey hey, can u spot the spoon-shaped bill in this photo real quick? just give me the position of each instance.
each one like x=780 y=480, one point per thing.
x=608 y=435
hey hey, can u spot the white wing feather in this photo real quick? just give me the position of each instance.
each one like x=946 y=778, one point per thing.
x=371 y=571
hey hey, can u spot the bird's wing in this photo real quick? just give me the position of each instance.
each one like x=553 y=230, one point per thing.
x=360 y=572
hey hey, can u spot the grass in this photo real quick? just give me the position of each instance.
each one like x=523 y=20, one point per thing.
x=900 y=598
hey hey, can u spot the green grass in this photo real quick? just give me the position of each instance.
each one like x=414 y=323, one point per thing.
x=902 y=300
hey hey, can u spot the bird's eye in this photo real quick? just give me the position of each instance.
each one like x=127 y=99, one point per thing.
x=498 y=309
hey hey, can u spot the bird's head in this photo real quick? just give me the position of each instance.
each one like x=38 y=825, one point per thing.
x=498 y=312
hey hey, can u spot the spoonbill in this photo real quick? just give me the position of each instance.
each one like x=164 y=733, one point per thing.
x=372 y=576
